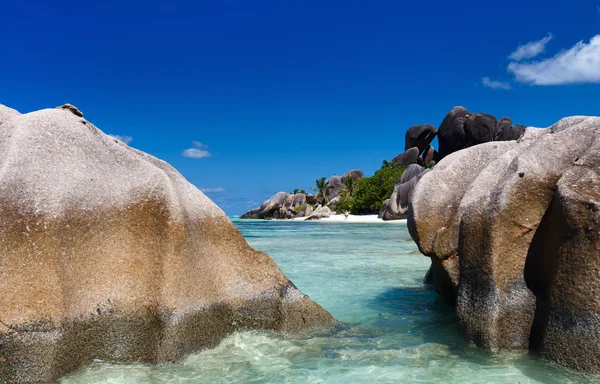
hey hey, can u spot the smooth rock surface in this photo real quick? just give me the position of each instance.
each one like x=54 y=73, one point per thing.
x=419 y=136
x=407 y=157
x=478 y=212
x=109 y=253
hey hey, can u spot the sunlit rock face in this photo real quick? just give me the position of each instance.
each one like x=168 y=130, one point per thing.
x=512 y=229
x=109 y=253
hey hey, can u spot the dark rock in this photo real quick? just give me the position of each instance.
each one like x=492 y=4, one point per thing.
x=251 y=214
x=407 y=157
x=479 y=128
x=462 y=129
x=72 y=109
x=429 y=156
x=310 y=199
x=451 y=133
x=419 y=136
x=428 y=279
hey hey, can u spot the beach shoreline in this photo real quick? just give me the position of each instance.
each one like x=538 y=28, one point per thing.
x=352 y=219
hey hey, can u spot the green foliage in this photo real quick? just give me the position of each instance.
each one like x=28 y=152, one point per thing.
x=344 y=204
x=302 y=191
x=371 y=192
x=320 y=186
x=299 y=208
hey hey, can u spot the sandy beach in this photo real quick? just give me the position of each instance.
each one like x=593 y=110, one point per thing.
x=354 y=219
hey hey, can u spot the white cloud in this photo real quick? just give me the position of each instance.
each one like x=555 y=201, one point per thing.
x=125 y=139
x=209 y=190
x=495 y=84
x=197 y=152
x=579 y=64
x=531 y=49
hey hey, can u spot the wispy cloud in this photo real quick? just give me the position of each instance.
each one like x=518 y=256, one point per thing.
x=210 y=190
x=495 y=84
x=576 y=65
x=125 y=139
x=531 y=49
x=197 y=152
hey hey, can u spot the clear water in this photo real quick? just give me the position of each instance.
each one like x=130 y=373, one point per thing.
x=395 y=329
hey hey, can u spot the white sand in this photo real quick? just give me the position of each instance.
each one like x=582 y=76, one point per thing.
x=353 y=219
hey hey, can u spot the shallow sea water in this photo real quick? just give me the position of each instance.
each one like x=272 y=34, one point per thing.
x=394 y=329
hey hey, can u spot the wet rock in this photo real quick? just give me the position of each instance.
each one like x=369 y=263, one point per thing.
x=109 y=253
x=502 y=208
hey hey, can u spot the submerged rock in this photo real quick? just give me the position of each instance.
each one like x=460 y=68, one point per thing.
x=109 y=253
x=512 y=230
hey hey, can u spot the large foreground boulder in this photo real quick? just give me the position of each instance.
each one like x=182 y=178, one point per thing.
x=109 y=253
x=512 y=229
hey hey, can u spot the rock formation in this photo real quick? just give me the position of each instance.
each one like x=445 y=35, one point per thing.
x=396 y=206
x=512 y=229
x=334 y=185
x=462 y=129
x=320 y=213
x=109 y=253
x=407 y=157
x=283 y=205
x=419 y=136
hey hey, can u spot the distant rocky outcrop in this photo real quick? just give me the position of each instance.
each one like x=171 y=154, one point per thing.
x=284 y=205
x=356 y=174
x=320 y=213
x=513 y=232
x=109 y=253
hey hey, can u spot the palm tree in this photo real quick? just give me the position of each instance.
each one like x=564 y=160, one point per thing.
x=348 y=187
x=320 y=186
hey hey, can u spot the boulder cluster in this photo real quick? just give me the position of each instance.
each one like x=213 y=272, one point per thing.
x=460 y=129
x=109 y=253
x=513 y=232
x=283 y=205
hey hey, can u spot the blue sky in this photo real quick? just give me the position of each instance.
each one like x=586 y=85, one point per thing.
x=270 y=95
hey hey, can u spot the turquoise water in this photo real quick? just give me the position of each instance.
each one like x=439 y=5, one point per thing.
x=395 y=329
